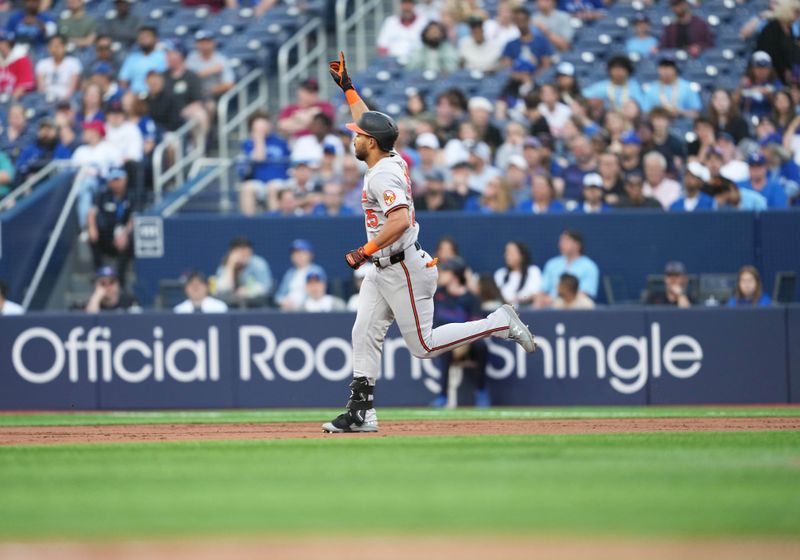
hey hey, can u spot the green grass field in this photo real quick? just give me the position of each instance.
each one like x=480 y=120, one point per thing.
x=662 y=484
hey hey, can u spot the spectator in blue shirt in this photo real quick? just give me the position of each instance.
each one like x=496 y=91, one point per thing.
x=585 y=162
x=30 y=26
x=531 y=45
x=758 y=85
x=749 y=290
x=571 y=260
x=728 y=196
x=593 y=192
x=619 y=87
x=140 y=63
x=542 y=199
x=694 y=180
x=586 y=10
x=243 y=277
x=672 y=92
x=643 y=43
x=332 y=201
x=265 y=157
x=759 y=181
x=292 y=291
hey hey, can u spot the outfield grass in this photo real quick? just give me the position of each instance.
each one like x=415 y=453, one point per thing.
x=321 y=415
x=668 y=484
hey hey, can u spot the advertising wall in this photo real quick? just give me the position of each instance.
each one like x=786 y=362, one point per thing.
x=636 y=356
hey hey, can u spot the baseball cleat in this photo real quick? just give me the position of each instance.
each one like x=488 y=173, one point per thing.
x=351 y=422
x=518 y=331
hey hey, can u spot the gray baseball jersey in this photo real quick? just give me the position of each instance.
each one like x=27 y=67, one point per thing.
x=403 y=291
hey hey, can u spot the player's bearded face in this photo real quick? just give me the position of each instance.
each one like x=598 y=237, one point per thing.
x=360 y=147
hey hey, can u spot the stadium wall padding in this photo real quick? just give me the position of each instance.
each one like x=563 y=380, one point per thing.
x=266 y=359
x=25 y=230
x=627 y=245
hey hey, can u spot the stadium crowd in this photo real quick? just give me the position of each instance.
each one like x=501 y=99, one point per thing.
x=104 y=93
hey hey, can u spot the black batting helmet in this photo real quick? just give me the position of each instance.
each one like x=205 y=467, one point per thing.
x=379 y=126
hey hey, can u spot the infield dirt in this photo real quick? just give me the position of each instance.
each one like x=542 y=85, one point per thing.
x=42 y=435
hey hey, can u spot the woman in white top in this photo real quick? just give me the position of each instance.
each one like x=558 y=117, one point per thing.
x=519 y=281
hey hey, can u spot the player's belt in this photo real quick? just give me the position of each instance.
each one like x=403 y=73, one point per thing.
x=383 y=262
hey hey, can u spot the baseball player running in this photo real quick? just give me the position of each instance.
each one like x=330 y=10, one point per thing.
x=400 y=285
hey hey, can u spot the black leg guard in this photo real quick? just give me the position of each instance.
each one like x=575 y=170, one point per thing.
x=358 y=404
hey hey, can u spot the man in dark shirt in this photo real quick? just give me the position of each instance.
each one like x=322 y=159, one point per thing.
x=454 y=303
x=634 y=195
x=109 y=223
x=163 y=105
x=675 y=291
x=688 y=32
x=185 y=86
x=125 y=25
x=108 y=294
x=435 y=197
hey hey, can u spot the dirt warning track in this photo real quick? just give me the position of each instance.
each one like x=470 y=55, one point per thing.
x=43 y=435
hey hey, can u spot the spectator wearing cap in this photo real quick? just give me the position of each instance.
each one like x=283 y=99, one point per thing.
x=123 y=134
x=332 y=201
x=749 y=291
x=671 y=92
x=760 y=182
x=109 y=296
x=264 y=158
x=435 y=197
x=725 y=115
x=480 y=114
x=16 y=69
x=543 y=197
x=212 y=67
x=303 y=181
x=585 y=162
x=162 y=105
x=779 y=37
x=310 y=147
x=93 y=160
x=554 y=24
x=454 y=303
x=481 y=169
x=634 y=198
x=477 y=52
x=243 y=277
x=110 y=224
x=139 y=63
x=58 y=75
x=401 y=33
x=585 y=10
x=195 y=286
x=513 y=101
x=665 y=190
x=78 y=27
x=728 y=196
x=102 y=74
x=694 y=199
x=434 y=53
x=675 y=291
x=8 y=307
x=292 y=290
x=295 y=119
x=630 y=157
x=518 y=179
x=572 y=260
x=593 y=191
x=124 y=25
x=38 y=152
x=642 y=42
x=758 y=85
x=569 y=295
x=317 y=300
x=104 y=60
x=531 y=46
x=186 y=88
x=512 y=145
x=569 y=91
x=619 y=87
x=31 y=26
x=430 y=158
x=687 y=31
x=554 y=111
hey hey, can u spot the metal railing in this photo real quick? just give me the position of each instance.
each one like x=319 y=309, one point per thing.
x=25 y=188
x=351 y=31
x=310 y=44
x=175 y=142
x=55 y=235
x=219 y=170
